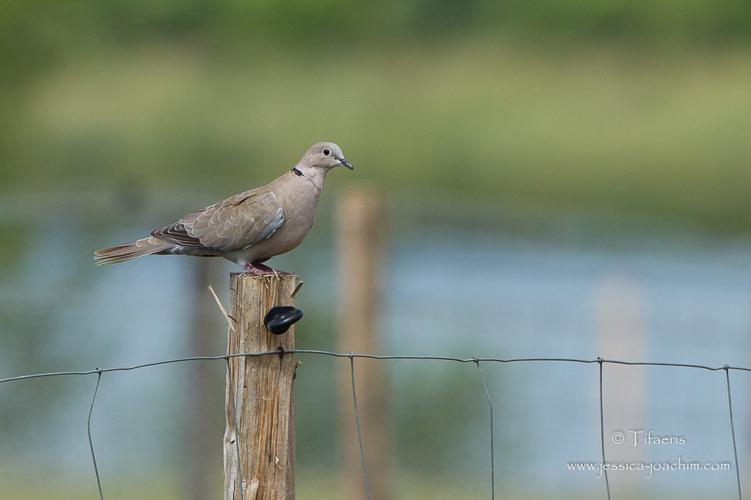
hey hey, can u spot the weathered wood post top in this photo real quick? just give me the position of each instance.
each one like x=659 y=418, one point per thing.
x=259 y=438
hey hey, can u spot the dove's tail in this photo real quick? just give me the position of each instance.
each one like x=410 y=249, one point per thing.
x=128 y=251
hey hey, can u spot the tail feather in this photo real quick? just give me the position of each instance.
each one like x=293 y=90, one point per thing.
x=128 y=251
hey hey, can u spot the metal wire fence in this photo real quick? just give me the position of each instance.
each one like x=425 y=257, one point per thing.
x=478 y=361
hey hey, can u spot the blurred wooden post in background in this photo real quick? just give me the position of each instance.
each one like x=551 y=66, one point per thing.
x=201 y=468
x=620 y=317
x=259 y=404
x=360 y=226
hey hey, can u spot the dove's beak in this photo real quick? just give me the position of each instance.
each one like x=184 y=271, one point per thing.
x=345 y=163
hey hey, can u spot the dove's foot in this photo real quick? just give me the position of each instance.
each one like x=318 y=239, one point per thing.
x=258 y=269
x=270 y=270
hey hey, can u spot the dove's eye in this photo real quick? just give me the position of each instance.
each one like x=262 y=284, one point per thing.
x=326 y=151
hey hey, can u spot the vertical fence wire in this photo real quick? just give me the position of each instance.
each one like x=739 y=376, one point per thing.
x=235 y=430
x=88 y=433
x=492 y=430
x=363 y=465
x=602 y=434
x=732 y=433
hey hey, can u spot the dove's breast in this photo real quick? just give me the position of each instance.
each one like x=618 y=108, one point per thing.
x=299 y=199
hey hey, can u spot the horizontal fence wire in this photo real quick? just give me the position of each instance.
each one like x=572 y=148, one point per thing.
x=352 y=356
x=373 y=356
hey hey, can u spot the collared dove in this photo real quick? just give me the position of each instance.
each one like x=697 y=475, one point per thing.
x=247 y=228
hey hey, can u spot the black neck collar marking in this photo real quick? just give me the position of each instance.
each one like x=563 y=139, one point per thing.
x=297 y=171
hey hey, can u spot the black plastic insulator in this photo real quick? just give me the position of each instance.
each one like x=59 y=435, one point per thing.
x=280 y=318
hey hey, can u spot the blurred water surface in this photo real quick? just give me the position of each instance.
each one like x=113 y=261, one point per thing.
x=475 y=280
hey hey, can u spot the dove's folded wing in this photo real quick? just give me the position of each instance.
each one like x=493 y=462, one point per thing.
x=238 y=222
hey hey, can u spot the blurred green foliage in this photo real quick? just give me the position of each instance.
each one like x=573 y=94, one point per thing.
x=602 y=128
x=635 y=105
x=36 y=31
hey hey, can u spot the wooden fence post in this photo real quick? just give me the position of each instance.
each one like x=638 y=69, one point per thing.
x=259 y=439
x=360 y=227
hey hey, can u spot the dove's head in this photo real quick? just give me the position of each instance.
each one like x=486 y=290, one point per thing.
x=324 y=155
